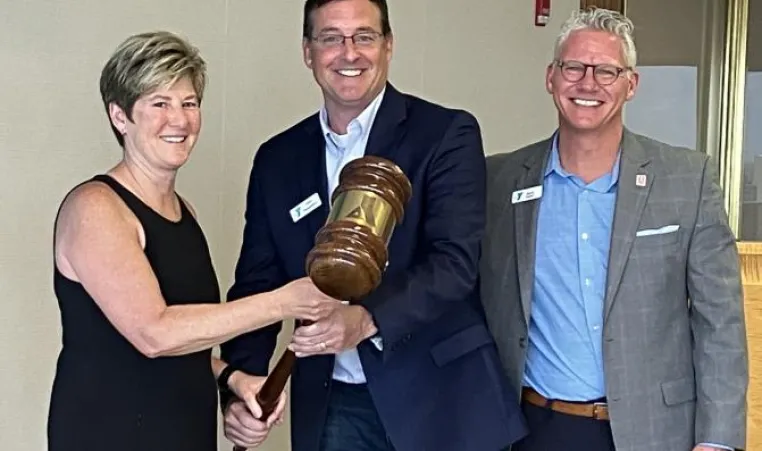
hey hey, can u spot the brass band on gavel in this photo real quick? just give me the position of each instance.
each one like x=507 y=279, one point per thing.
x=350 y=252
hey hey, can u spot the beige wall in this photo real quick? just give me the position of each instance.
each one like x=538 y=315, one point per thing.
x=485 y=56
x=754 y=49
x=669 y=33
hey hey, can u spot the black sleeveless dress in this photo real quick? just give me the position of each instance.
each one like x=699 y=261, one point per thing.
x=107 y=396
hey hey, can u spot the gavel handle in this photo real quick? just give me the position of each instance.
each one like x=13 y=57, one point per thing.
x=269 y=394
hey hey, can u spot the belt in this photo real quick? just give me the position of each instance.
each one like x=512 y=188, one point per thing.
x=596 y=410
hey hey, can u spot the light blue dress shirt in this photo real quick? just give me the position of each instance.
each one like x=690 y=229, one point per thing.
x=564 y=356
x=340 y=150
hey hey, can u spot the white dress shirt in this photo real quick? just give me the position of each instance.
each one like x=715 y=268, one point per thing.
x=340 y=150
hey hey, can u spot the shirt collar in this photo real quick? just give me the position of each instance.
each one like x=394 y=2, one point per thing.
x=554 y=165
x=357 y=126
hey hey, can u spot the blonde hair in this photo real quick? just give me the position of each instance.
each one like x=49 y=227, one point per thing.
x=603 y=20
x=145 y=62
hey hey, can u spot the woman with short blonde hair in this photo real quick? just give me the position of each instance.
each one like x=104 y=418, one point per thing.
x=138 y=294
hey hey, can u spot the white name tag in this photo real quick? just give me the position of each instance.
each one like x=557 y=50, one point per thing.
x=305 y=207
x=526 y=194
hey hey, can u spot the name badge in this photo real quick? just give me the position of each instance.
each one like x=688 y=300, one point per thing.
x=526 y=194
x=305 y=207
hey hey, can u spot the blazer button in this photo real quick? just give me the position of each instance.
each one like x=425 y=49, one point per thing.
x=523 y=342
x=407 y=337
x=325 y=384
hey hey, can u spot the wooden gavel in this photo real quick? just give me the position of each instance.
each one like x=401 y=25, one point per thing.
x=350 y=252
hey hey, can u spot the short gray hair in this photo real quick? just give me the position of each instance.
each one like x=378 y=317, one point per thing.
x=145 y=62
x=603 y=20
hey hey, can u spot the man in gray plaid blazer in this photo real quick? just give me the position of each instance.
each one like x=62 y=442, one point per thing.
x=596 y=240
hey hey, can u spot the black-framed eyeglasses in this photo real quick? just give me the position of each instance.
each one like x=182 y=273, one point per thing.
x=604 y=74
x=361 y=39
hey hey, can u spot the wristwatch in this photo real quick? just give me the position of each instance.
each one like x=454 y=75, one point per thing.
x=222 y=380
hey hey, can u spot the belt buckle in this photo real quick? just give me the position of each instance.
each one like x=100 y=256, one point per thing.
x=600 y=410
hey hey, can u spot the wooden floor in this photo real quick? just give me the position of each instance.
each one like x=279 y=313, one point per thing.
x=751 y=263
x=754 y=334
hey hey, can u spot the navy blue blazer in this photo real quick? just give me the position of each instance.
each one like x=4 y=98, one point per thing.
x=437 y=384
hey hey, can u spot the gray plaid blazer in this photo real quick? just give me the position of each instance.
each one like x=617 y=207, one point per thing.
x=676 y=370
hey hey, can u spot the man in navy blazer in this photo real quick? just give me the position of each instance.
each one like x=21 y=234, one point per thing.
x=413 y=366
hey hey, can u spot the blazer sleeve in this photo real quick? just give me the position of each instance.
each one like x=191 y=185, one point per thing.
x=257 y=270
x=717 y=322
x=452 y=225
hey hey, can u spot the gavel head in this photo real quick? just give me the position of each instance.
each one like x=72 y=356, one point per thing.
x=350 y=252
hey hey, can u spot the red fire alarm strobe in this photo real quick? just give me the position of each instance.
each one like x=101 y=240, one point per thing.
x=542 y=12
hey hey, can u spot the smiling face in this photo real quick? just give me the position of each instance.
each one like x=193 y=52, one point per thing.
x=350 y=74
x=164 y=127
x=587 y=105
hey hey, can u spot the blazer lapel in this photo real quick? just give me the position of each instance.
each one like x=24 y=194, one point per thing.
x=385 y=132
x=525 y=214
x=312 y=177
x=311 y=171
x=635 y=181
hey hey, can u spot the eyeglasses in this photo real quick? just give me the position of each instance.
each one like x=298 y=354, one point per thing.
x=604 y=74
x=362 y=39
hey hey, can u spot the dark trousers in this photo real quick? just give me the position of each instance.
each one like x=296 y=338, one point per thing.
x=352 y=423
x=553 y=431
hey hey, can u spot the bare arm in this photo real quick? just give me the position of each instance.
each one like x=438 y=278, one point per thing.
x=98 y=244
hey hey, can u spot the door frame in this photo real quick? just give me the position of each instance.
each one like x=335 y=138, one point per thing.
x=721 y=97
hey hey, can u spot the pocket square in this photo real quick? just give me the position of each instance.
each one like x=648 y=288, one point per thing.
x=659 y=231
